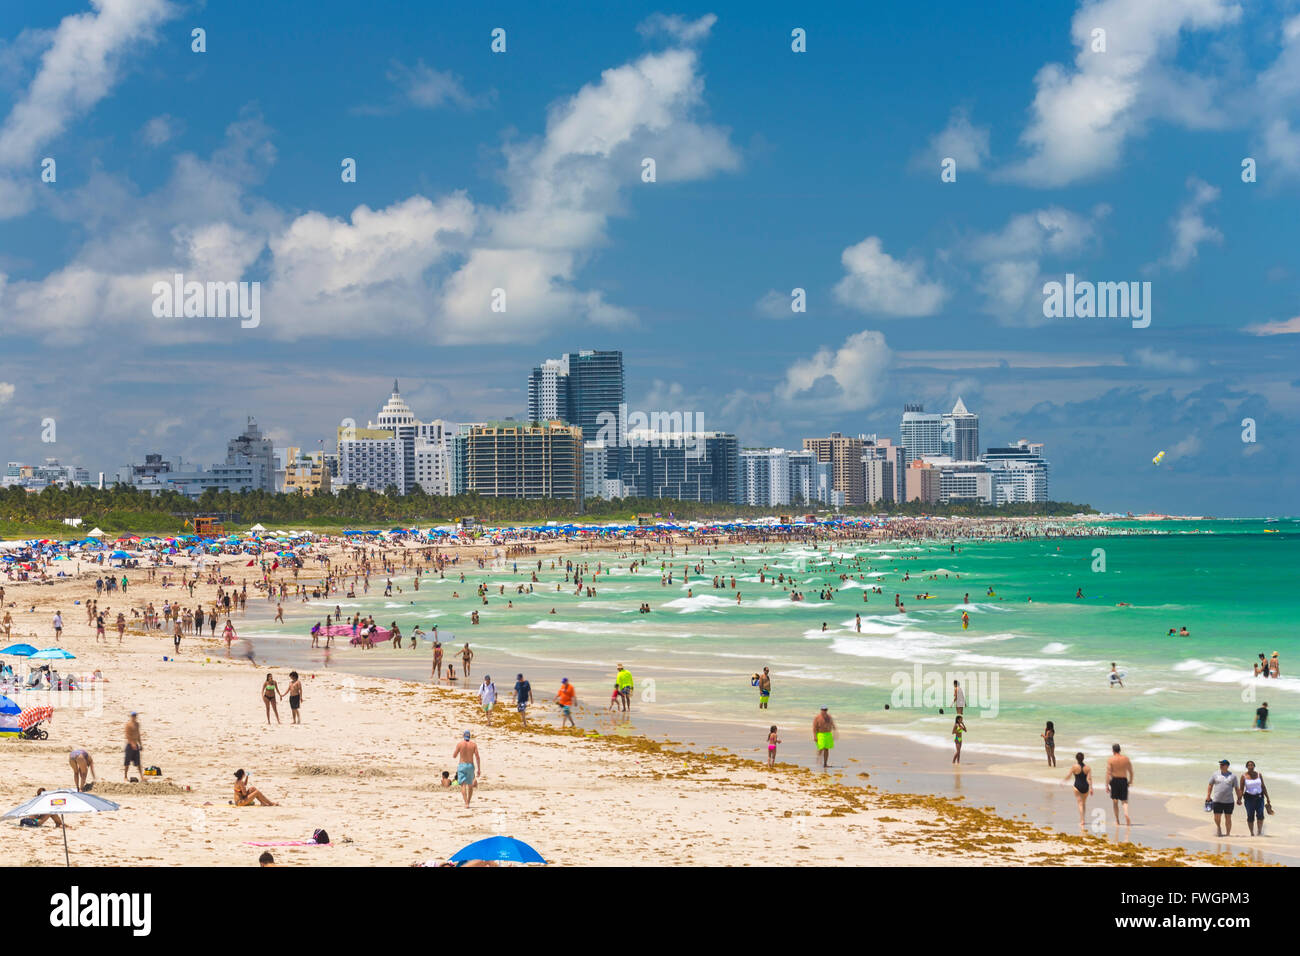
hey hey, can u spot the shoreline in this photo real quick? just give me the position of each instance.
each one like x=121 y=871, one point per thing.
x=893 y=764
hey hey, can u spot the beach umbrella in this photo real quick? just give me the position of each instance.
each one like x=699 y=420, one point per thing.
x=119 y=554
x=53 y=654
x=9 y=716
x=498 y=848
x=95 y=534
x=19 y=650
x=58 y=803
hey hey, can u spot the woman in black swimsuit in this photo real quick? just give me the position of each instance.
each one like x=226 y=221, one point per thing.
x=1081 y=773
x=1049 y=744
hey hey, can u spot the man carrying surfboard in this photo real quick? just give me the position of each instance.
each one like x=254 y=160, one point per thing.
x=1115 y=676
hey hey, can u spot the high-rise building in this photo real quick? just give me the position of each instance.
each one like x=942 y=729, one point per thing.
x=961 y=433
x=920 y=433
x=805 y=474
x=688 y=466
x=578 y=388
x=548 y=391
x=845 y=457
x=1019 y=472
x=255 y=450
x=516 y=460
x=397 y=450
x=765 y=477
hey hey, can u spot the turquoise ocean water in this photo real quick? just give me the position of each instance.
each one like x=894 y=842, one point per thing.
x=1186 y=701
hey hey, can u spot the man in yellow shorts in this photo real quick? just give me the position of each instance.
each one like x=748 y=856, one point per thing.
x=824 y=735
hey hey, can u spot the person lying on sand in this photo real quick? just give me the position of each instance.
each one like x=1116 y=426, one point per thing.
x=245 y=795
x=37 y=821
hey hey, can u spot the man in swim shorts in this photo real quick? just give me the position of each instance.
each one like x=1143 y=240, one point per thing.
x=467 y=757
x=1119 y=774
x=565 y=697
x=131 y=753
x=824 y=735
x=764 y=689
x=1222 y=794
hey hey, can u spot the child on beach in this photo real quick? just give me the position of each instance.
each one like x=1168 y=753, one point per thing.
x=772 y=741
x=614 y=698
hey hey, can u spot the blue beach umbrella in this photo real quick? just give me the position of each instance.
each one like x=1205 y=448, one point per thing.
x=19 y=650
x=53 y=654
x=498 y=848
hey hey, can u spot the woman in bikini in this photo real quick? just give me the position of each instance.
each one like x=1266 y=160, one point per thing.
x=1049 y=743
x=772 y=741
x=1081 y=774
x=958 y=731
x=245 y=795
x=270 y=695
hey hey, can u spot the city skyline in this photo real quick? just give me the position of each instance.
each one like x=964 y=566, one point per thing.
x=776 y=170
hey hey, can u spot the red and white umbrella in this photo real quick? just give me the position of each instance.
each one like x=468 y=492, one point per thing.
x=29 y=717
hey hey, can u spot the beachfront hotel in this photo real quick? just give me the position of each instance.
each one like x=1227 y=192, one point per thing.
x=579 y=388
x=686 y=466
x=845 y=457
x=517 y=460
x=396 y=450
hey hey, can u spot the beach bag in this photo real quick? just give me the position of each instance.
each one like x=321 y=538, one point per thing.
x=320 y=836
x=152 y=771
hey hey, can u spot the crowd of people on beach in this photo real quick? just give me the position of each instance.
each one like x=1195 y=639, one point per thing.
x=346 y=568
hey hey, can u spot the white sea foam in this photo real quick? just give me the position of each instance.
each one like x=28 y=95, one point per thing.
x=1167 y=725
x=1056 y=647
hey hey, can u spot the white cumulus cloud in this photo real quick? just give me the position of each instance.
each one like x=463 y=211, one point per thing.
x=879 y=284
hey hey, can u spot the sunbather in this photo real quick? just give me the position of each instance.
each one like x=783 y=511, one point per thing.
x=245 y=795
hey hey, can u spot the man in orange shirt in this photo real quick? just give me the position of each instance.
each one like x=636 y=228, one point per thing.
x=564 y=697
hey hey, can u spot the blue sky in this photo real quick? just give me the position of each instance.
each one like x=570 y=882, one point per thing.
x=775 y=170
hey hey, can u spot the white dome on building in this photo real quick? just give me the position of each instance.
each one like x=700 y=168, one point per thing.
x=395 y=412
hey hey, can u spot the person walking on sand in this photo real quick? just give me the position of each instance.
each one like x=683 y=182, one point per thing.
x=772 y=741
x=270 y=695
x=1254 y=793
x=58 y=626
x=468 y=765
x=294 y=693
x=134 y=748
x=228 y=634
x=437 y=659
x=1119 y=775
x=823 y=727
x=82 y=764
x=523 y=697
x=1081 y=773
x=958 y=732
x=1220 y=794
x=487 y=696
x=565 y=697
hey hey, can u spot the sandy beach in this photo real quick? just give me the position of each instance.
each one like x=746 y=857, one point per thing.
x=365 y=762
